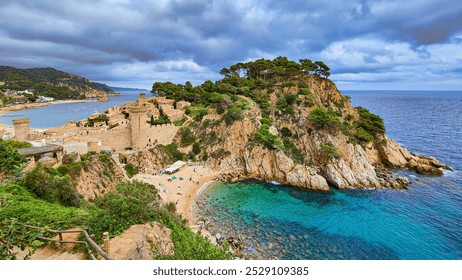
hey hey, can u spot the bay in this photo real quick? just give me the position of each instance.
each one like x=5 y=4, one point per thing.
x=424 y=222
x=58 y=114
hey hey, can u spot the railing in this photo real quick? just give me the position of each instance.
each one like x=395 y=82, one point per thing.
x=89 y=240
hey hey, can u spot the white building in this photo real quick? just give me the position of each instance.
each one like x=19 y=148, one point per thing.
x=45 y=99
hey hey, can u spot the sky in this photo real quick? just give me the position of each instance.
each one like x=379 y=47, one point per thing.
x=368 y=44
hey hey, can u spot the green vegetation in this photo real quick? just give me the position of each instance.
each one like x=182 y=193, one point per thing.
x=172 y=151
x=366 y=129
x=263 y=136
x=197 y=112
x=131 y=170
x=324 y=118
x=329 y=151
x=102 y=118
x=127 y=205
x=285 y=103
x=189 y=245
x=371 y=123
x=187 y=137
x=161 y=120
x=285 y=132
x=232 y=115
x=292 y=151
x=130 y=203
x=11 y=162
x=49 y=185
x=304 y=91
x=47 y=82
x=13 y=236
x=179 y=123
x=196 y=148
x=18 y=202
x=254 y=79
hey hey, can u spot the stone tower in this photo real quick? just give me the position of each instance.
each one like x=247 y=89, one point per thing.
x=138 y=118
x=21 y=129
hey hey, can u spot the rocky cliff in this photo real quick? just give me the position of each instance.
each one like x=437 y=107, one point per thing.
x=98 y=175
x=315 y=140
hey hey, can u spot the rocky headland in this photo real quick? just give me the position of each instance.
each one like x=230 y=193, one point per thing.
x=307 y=135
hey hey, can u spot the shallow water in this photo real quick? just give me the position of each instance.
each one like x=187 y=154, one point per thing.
x=424 y=222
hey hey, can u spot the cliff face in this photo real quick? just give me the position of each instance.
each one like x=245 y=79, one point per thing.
x=98 y=177
x=149 y=161
x=311 y=157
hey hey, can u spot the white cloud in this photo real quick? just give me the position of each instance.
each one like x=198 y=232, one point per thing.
x=374 y=60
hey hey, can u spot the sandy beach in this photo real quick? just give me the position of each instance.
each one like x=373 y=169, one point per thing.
x=18 y=107
x=181 y=192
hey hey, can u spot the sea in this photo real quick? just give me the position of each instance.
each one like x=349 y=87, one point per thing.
x=422 y=223
x=58 y=114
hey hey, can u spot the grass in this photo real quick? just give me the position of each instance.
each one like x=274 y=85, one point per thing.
x=19 y=203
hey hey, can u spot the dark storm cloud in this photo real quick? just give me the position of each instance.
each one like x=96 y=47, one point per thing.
x=191 y=40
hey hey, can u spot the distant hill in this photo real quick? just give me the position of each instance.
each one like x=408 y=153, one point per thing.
x=51 y=82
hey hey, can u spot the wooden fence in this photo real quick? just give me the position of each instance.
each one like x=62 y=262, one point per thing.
x=89 y=240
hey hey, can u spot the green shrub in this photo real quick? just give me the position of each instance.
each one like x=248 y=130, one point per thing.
x=363 y=136
x=371 y=123
x=304 y=91
x=179 y=123
x=191 y=246
x=131 y=170
x=173 y=152
x=104 y=157
x=285 y=103
x=263 y=136
x=285 y=132
x=324 y=118
x=51 y=186
x=233 y=114
x=196 y=149
x=65 y=191
x=39 y=182
x=309 y=102
x=14 y=237
x=187 y=137
x=329 y=150
x=11 y=162
x=129 y=204
x=267 y=121
x=293 y=152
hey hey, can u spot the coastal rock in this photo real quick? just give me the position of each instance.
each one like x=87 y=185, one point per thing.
x=299 y=159
x=97 y=178
x=394 y=155
x=149 y=161
x=142 y=242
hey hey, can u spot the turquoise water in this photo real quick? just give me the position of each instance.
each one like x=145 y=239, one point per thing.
x=59 y=114
x=424 y=222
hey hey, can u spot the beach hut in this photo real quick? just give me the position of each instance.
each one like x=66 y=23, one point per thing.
x=175 y=167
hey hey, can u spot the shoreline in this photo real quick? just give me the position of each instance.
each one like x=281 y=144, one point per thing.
x=20 y=107
x=183 y=192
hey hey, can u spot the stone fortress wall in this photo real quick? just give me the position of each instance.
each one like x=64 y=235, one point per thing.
x=121 y=132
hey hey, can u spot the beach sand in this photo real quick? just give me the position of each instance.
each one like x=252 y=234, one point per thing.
x=182 y=192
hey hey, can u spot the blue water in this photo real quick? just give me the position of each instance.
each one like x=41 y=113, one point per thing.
x=59 y=114
x=424 y=222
